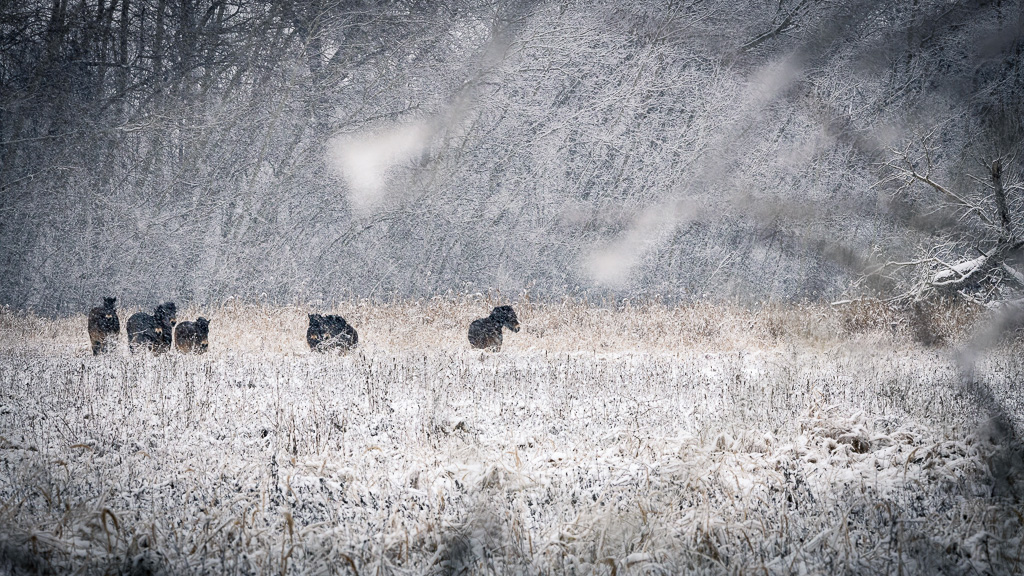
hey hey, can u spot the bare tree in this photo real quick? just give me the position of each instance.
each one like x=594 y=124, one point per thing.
x=156 y=148
x=978 y=248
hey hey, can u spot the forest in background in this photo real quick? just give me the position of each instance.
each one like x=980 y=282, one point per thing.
x=320 y=149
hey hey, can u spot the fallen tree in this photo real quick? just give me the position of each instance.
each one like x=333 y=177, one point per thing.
x=978 y=258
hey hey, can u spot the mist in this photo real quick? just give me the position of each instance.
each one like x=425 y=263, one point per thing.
x=766 y=261
x=365 y=160
x=680 y=151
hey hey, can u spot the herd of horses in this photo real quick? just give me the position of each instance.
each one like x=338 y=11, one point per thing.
x=157 y=332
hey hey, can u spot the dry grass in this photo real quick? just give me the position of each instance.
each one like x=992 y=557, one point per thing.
x=570 y=326
x=631 y=440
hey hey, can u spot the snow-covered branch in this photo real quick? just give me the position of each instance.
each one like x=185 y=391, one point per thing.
x=956 y=199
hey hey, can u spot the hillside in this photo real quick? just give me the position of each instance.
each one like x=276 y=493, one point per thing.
x=297 y=151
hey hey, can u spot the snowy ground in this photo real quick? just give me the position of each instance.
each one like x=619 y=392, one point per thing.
x=644 y=440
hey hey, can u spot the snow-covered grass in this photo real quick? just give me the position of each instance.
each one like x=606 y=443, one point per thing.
x=636 y=440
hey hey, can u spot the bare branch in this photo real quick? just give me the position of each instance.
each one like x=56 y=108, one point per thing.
x=956 y=197
x=959 y=273
x=1014 y=274
x=789 y=22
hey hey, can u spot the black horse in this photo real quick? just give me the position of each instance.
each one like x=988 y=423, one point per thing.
x=193 y=336
x=486 y=332
x=103 y=326
x=330 y=332
x=153 y=332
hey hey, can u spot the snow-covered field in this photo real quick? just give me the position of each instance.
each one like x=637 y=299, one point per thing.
x=639 y=440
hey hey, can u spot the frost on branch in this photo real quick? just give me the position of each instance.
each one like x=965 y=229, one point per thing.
x=974 y=254
x=960 y=272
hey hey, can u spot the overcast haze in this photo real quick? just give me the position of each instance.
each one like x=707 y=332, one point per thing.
x=311 y=151
x=764 y=263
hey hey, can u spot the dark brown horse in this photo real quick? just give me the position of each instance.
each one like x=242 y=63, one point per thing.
x=192 y=336
x=330 y=332
x=104 y=326
x=153 y=332
x=486 y=332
